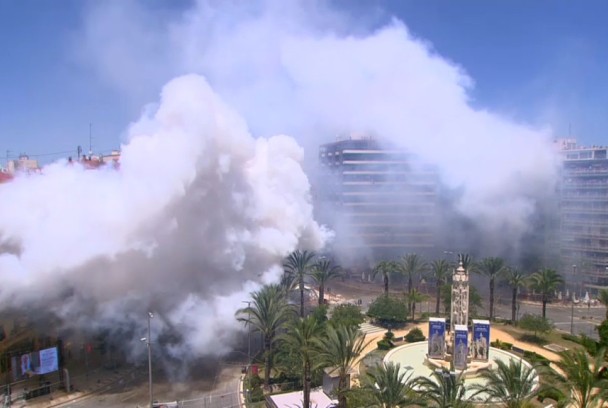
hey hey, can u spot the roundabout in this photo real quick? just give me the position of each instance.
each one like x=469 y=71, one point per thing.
x=414 y=361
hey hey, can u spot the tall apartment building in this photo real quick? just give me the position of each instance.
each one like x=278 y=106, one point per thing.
x=584 y=213
x=377 y=199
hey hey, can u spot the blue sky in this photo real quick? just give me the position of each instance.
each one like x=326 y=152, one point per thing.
x=543 y=62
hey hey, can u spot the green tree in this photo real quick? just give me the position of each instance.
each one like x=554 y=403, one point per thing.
x=298 y=265
x=440 y=274
x=443 y=390
x=341 y=349
x=415 y=296
x=536 y=324
x=385 y=268
x=267 y=314
x=302 y=341
x=515 y=279
x=346 y=314
x=603 y=298
x=411 y=266
x=388 y=310
x=582 y=375
x=546 y=282
x=513 y=385
x=322 y=273
x=492 y=268
x=390 y=387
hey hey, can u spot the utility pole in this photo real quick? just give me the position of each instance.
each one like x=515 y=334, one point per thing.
x=90 y=140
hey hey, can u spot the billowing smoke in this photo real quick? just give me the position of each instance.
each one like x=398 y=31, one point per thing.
x=197 y=214
x=199 y=207
x=314 y=71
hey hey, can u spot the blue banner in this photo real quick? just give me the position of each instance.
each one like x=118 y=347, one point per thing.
x=461 y=346
x=481 y=340
x=436 y=340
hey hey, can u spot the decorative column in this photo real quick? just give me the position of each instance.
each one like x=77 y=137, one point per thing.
x=460 y=297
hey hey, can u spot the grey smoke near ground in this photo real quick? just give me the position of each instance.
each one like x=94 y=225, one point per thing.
x=192 y=217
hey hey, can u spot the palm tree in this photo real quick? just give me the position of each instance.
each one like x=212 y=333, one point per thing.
x=583 y=377
x=322 y=273
x=298 y=265
x=443 y=390
x=440 y=272
x=385 y=268
x=603 y=298
x=492 y=268
x=267 y=314
x=340 y=349
x=467 y=262
x=301 y=340
x=515 y=279
x=513 y=384
x=415 y=296
x=410 y=266
x=546 y=281
x=390 y=387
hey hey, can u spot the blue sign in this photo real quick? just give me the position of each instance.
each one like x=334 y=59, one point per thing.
x=480 y=349
x=461 y=346
x=436 y=340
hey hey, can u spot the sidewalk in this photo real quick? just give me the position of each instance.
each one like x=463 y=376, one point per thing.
x=82 y=385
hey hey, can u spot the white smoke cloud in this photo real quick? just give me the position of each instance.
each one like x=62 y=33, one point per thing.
x=197 y=212
x=200 y=210
x=312 y=71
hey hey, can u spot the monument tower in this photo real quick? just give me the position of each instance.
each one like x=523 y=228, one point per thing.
x=459 y=313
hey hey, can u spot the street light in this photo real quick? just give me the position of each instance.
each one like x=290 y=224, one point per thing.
x=149 y=344
x=572 y=301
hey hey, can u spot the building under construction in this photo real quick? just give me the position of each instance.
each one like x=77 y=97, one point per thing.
x=380 y=200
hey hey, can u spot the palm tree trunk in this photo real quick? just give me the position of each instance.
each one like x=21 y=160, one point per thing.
x=491 y=298
x=321 y=295
x=437 y=302
x=544 y=308
x=413 y=310
x=268 y=348
x=307 y=385
x=386 y=285
x=513 y=305
x=410 y=285
x=302 y=297
x=342 y=390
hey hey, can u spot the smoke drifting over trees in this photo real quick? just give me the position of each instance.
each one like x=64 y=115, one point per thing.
x=202 y=208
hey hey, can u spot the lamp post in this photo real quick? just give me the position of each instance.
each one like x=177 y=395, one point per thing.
x=149 y=345
x=572 y=301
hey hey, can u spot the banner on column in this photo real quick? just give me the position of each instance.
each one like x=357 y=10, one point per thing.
x=436 y=340
x=461 y=346
x=481 y=340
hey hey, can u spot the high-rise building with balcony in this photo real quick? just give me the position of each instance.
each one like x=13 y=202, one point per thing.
x=583 y=231
x=379 y=200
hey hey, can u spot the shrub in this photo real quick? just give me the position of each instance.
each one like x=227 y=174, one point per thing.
x=571 y=337
x=346 y=315
x=388 y=311
x=385 y=344
x=414 y=335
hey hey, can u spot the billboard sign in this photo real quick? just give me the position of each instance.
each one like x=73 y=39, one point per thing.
x=35 y=363
x=480 y=347
x=461 y=346
x=436 y=342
